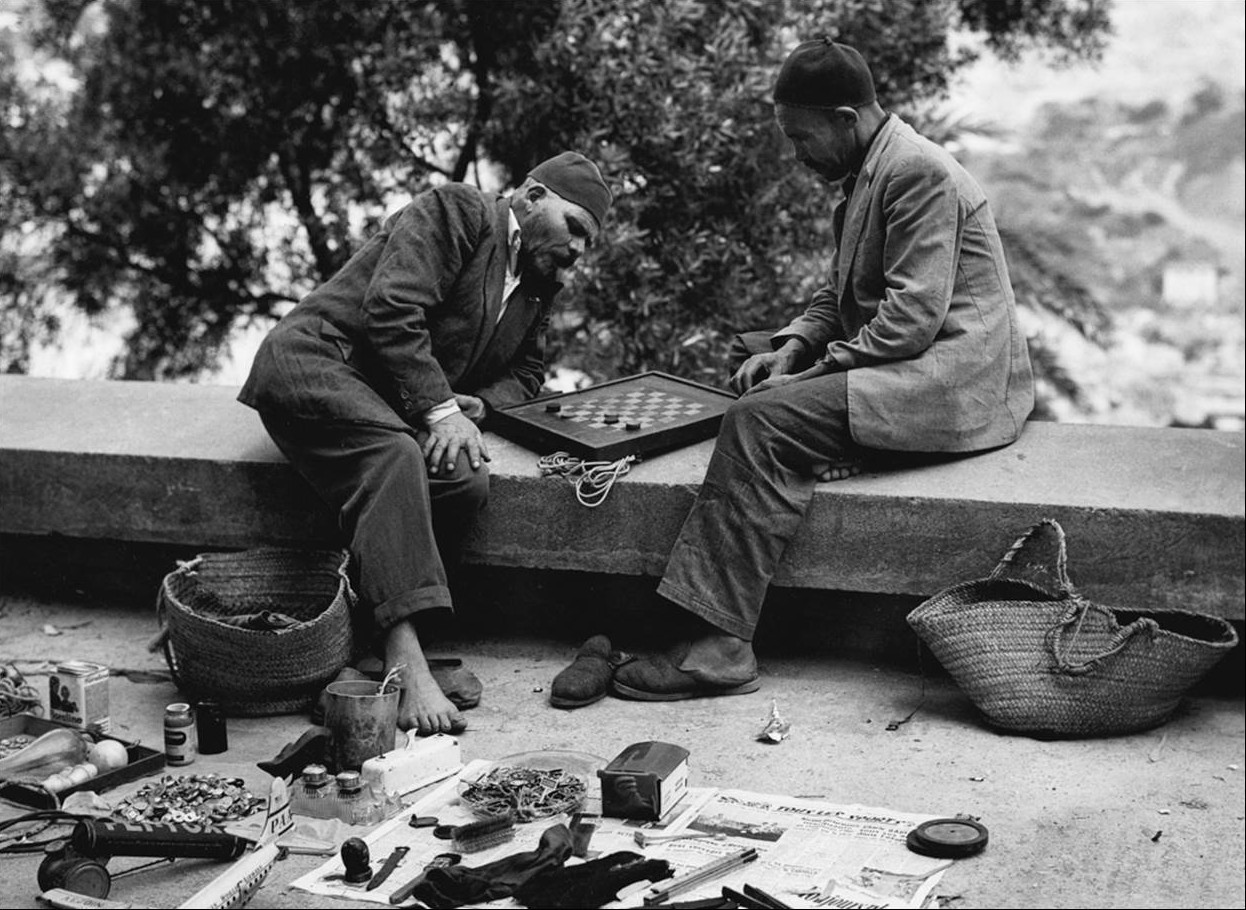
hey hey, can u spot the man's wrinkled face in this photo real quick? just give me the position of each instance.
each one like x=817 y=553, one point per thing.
x=823 y=141
x=556 y=232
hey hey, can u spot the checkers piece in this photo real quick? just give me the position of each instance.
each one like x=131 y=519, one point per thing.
x=632 y=426
x=553 y=407
x=610 y=418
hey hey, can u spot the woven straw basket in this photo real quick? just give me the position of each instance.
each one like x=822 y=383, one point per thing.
x=1049 y=662
x=257 y=671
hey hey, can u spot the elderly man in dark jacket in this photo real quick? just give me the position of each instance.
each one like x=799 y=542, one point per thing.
x=375 y=384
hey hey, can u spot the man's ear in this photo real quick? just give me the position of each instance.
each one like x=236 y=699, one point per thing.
x=850 y=115
x=535 y=192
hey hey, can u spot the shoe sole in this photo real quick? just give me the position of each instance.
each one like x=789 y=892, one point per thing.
x=568 y=703
x=625 y=691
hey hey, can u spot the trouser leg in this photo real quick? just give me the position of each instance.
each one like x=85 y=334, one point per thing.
x=394 y=515
x=753 y=501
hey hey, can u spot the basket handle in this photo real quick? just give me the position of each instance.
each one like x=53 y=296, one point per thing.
x=162 y=640
x=1060 y=644
x=1062 y=556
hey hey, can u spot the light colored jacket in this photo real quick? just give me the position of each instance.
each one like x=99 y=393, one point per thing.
x=919 y=308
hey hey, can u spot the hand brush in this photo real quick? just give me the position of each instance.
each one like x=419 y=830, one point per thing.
x=476 y=836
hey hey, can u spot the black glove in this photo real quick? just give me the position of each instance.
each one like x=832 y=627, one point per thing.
x=592 y=884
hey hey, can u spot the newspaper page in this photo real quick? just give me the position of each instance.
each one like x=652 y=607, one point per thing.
x=808 y=853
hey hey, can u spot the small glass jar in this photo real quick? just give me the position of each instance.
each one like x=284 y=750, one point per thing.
x=313 y=796
x=180 y=742
x=349 y=797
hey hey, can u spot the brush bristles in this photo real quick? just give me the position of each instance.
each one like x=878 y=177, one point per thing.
x=481 y=835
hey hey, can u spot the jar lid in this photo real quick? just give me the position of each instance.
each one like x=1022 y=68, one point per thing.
x=316 y=774
x=948 y=838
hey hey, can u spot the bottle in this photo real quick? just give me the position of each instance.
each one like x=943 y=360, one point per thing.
x=349 y=797
x=210 y=728
x=180 y=743
x=313 y=796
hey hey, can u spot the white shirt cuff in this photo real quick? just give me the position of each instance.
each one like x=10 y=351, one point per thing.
x=441 y=411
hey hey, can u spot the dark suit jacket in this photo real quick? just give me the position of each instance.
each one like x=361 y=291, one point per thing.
x=408 y=321
x=919 y=308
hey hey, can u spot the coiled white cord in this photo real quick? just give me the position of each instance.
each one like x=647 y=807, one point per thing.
x=592 y=479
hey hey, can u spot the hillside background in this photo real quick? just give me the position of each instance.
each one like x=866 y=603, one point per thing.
x=1138 y=164
x=1134 y=166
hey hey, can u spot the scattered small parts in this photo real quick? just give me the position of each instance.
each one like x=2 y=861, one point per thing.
x=197 y=799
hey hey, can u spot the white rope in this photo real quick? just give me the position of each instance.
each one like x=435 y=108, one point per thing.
x=592 y=479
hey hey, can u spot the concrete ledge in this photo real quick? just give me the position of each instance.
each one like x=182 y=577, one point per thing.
x=1154 y=516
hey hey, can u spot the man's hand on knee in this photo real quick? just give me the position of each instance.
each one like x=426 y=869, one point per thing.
x=450 y=436
x=821 y=368
x=759 y=367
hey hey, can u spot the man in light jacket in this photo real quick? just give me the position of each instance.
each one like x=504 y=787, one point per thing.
x=912 y=346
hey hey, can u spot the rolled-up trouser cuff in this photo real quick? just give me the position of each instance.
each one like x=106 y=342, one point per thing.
x=728 y=622
x=396 y=609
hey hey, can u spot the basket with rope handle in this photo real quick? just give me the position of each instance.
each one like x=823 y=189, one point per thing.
x=260 y=631
x=1043 y=659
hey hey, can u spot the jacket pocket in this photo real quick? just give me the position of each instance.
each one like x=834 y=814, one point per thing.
x=338 y=337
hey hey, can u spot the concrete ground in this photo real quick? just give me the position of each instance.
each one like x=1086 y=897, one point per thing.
x=1149 y=820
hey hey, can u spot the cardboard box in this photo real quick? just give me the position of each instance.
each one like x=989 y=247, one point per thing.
x=143 y=762
x=644 y=781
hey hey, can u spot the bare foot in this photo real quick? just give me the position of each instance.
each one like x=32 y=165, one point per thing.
x=839 y=471
x=424 y=707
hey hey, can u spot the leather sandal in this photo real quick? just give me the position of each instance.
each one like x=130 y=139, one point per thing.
x=659 y=679
x=456 y=682
x=587 y=679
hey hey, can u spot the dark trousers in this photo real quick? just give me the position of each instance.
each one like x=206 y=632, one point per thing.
x=404 y=526
x=757 y=489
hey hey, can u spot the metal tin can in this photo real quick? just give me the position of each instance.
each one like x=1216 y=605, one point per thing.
x=78 y=695
x=180 y=742
x=210 y=728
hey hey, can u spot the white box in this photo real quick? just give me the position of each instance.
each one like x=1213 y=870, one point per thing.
x=422 y=761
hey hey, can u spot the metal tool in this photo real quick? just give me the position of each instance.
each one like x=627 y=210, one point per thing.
x=661 y=894
x=390 y=864
x=651 y=838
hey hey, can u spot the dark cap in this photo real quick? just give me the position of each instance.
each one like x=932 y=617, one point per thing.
x=576 y=179
x=824 y=74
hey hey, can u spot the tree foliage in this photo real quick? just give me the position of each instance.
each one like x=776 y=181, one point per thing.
x=218 y=159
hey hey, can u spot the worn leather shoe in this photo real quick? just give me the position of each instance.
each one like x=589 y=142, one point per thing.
x=587 y=679
x=677 y=675
x=312 y=748
x=457 y=683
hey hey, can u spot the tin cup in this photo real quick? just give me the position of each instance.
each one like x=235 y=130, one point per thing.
x=362 y=721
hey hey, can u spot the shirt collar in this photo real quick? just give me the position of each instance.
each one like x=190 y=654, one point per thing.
x=513 y=243
x=874 y=147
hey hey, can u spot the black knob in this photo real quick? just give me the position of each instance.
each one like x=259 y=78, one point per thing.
x=357 y=861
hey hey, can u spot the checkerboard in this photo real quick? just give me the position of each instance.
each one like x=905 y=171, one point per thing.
x=638 y=415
